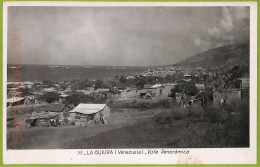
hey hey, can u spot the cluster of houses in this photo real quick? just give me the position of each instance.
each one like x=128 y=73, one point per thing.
x=58 y=113
x=169 y=71
x=64 y=115
x=149 y=91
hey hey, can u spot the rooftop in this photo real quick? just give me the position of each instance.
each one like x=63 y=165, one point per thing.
x=88 y=108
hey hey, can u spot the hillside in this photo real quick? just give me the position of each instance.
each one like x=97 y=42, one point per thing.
x=230 y=55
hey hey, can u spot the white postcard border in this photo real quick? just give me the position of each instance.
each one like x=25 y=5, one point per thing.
x=205 y=155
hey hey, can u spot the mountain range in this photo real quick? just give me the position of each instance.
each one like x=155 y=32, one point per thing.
x=225 y=56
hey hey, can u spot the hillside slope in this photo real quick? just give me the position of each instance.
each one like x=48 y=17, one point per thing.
x=230 y=55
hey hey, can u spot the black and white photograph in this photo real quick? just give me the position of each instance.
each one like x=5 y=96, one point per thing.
x=131 y=79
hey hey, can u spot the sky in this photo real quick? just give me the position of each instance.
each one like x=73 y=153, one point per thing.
x=123 y=36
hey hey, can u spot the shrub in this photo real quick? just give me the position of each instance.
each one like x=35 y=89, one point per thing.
x=170 y=116
x=179 y=113
x=213 y=114
x=163 y=118
x=164 y=103
x=196 y=110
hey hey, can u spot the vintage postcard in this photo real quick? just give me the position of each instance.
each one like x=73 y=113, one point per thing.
x=129 y=82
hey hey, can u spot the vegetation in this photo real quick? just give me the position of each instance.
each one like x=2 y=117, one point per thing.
x=77 y=98
x=217 y=128
x=50 y=97
x=143 y=105
x=188 y=88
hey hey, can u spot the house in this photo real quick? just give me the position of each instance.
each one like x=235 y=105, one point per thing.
x=130 y=77
x=43 y=119
x=200 y=87
x=103 y=90
x=15 y=101
x=244 y=83
x=88 y=92
x=161 y=90
x=10 y=121
x=63 y=97
x=52 y=89
x=146 y=86
x=61 y=109
x=85 y=114
x=129 y=93
x=30 y=100
x=68 y=90
x=102 y=93
x=226 y=96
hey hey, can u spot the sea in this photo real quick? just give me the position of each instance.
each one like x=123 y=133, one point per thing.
x=58 y=73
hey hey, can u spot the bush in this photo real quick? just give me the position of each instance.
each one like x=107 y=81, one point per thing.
x=164 y=103
x=143 y=105
x=163 y=118
x=170 y=116
x=179 y=113
x=237 y=128
x=196 y=110
x=213 y=114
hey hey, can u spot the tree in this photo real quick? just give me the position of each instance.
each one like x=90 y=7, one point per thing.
x=78 y=98
x=188 y=88
x=176 y=89
x=25 y=92
x=51 y=97
x=140 y=83
x=122 y=79
x=73 y=99
x=99 y=84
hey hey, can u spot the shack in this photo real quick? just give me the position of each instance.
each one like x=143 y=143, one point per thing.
x=161 y=90
x=85 y=114
x=61 y=109
x=43 y=119
x=226 y=96
x=200 y=87
x=15 y=101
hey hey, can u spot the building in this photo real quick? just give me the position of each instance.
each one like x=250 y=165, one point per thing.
x=15 y=101
x=226 y=96
x=48 y=90
x=61 y=109
x=43 y=119
x=130 y=93
x=200 y=87
x=161 y=90
x=85 y=114
x=130 y=77
x=30 y=100
x=244 y=84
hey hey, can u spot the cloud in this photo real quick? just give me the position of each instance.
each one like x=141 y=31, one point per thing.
x=226 y=24
x=124 y=35
x=232 y=27
x=197 y=41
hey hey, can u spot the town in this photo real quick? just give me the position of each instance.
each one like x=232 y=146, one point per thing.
x=84 y=103
x=61 y=100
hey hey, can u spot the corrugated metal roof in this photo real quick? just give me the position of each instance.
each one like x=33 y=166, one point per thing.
x=156 y=86
x=88 y=108
x=13 y=100
x=200 y=86
x=101 y=90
